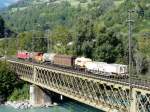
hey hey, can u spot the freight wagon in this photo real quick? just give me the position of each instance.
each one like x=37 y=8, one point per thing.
x=64 y=60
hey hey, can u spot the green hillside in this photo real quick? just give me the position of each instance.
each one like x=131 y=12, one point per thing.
x=97 y=29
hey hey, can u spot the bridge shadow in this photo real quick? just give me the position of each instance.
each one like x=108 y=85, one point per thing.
x=75 y=106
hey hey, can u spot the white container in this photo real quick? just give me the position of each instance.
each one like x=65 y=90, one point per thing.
x=81 y=61
x=95 y=67
x=106 y=69
x=115 y=69
x=48 y=57
x=120 y=69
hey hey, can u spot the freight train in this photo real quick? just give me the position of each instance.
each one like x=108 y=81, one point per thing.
x=82 y=63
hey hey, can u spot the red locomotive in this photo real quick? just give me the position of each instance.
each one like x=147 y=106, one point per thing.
x=23 y=55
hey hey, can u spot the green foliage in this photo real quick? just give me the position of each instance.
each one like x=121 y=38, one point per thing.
x=42 y=17
x=2 y=47
x=109 y=45
x=61 y=34
x=8 y=80
x=84 y=37
x=39 y=44
x=31 y=41
x=2 y=27
x=20 y=94
x=83 y=1
x=10 y=86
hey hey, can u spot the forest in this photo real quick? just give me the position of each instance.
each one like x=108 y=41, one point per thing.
x=98 y=30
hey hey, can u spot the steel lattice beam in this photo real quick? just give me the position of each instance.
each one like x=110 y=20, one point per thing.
x=101 y=94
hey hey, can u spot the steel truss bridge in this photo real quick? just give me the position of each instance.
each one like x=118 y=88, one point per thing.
x=108 y=94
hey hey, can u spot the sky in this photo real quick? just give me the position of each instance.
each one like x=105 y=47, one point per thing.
x=5 y=3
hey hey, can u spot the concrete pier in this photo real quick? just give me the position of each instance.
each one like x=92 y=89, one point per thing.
x=38 y=97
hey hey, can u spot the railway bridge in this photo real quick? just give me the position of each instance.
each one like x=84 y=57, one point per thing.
x=107 y=94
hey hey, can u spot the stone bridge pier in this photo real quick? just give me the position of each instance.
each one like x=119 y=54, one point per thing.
x=38 y=97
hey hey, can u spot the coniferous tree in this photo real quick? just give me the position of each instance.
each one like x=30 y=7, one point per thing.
x=2 y=27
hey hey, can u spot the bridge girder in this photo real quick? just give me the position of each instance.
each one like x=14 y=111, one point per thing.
x=107 y=96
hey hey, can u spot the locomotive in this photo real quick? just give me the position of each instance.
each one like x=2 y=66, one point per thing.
x=24 y=55
x=82 y=63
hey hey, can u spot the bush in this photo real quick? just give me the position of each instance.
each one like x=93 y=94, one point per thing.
x=20 y=93
x=8 y=80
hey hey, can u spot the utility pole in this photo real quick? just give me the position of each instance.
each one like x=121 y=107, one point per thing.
x=17 y=44
x=48 y=46
x=5 y=35
x=32 y=48
x=130 y=22
x=48 y=41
